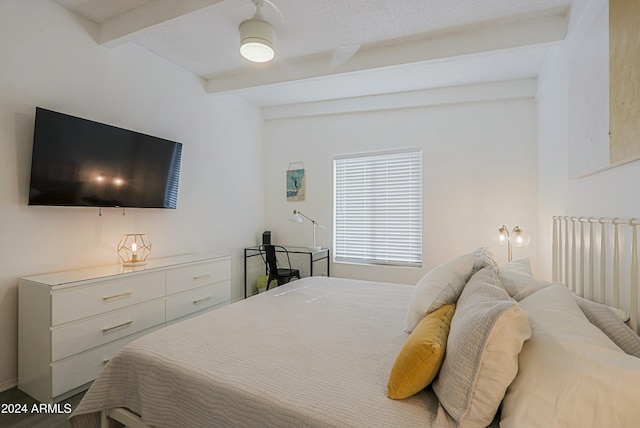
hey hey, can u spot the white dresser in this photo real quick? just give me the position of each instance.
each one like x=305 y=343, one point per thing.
x=71 y=323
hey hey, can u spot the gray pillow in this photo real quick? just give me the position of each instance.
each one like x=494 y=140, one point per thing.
x=606 y=320
x=443 y=284
x=486 y=336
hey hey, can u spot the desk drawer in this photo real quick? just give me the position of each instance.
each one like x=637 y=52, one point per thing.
x=89 y=333
x=78 y=303
x=197 y=275
x=190 y=301
x=83 y=368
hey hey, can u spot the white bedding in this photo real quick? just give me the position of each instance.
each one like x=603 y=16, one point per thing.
x=314 y=352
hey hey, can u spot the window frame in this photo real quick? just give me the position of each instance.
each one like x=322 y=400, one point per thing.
x=364 y=166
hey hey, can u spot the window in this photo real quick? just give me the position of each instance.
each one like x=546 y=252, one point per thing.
x=378 y=207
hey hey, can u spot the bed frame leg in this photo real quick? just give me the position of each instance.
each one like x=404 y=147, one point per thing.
x=104 y=420
x=122 y=415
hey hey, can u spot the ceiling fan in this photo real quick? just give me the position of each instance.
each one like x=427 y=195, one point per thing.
x=257 y=38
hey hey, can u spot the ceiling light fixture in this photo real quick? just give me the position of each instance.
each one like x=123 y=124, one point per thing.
x=257 y=37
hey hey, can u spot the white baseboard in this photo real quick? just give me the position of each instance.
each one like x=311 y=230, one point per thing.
x=7 y=385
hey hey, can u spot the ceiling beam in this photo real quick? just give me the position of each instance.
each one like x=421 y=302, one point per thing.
x=147 y=20
x=482 y=40
x=504 y=90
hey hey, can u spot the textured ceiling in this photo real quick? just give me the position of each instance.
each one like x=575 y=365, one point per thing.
x=329 y=37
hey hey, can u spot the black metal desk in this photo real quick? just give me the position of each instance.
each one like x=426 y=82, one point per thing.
x=314 y=257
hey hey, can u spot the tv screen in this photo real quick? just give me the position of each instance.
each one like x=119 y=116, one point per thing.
x=78 y=162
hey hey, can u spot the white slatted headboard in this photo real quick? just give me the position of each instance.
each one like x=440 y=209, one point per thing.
x=598 y=259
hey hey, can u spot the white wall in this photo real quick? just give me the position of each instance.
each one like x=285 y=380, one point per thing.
x=561 y=88
x=479 y=162
x=49 y=59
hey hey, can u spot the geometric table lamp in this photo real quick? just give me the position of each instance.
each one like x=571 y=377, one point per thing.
x=134 y=248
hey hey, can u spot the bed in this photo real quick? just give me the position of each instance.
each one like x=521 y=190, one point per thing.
x=472 y=344
x=313 y=352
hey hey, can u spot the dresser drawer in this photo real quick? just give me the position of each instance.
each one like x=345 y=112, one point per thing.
x=198 y=299
x=197 y=275
x=78 y=303
x=83 y=368
x=89 y=333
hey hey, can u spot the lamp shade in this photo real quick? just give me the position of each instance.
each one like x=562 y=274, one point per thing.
x=519 y=238
x=257 y=40
x=296 y=217
x=503 y=235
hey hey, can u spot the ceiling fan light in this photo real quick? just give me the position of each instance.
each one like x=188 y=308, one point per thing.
x=256 y=51
x=256 y=40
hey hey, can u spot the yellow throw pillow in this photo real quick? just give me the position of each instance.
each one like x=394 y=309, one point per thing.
x=422 y=354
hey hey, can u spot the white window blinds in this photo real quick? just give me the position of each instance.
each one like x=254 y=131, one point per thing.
x=378 y=207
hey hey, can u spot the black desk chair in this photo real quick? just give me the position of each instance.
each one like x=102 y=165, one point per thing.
x=281 y=275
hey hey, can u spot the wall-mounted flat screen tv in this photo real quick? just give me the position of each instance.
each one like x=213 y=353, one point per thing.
x=79 y=162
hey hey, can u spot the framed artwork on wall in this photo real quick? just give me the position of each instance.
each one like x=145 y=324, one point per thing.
x=624 y=81
x=295 y=182
x=605 y=94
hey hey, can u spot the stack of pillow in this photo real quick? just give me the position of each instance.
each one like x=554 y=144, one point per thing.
x=483 y=337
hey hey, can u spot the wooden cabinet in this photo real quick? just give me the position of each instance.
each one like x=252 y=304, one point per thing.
x=71 y=323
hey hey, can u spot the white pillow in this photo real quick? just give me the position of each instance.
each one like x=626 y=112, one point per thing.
x=522 y=266
x=519 y=285
x=570 y=374
x=443 y=285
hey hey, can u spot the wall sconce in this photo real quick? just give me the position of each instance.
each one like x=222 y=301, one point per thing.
x=133 y=249
x=297 y=218
x=517 y=237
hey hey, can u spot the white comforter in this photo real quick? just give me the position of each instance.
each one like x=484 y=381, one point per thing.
x=314 y=352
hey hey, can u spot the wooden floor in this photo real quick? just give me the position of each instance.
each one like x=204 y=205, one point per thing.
x=14 y=399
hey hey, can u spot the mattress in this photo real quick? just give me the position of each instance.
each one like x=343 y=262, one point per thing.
x=314 y=352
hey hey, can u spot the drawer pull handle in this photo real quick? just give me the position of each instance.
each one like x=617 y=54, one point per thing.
x=204 y=299
x=106 y=329
x=204 y=275
x=115 y=296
